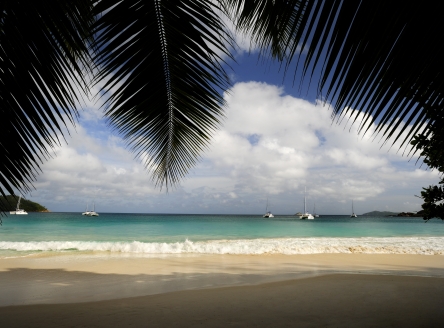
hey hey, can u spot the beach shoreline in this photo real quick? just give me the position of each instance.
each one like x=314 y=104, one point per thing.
x=336 y=300
x=104 y=289
x=94 y=276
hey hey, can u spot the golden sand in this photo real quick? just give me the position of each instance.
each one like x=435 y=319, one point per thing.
x=223 y=290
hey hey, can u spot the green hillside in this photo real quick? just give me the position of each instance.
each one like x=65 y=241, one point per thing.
x=9 y=203
x=379 y=213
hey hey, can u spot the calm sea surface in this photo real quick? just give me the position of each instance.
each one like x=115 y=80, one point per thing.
x=216 y=234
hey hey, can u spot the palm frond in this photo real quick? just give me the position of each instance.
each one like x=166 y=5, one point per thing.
x=43 y=57
x=160 y=62
x=382 y=58
x=163 y=60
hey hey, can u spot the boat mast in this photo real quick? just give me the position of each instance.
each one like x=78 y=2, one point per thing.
x=353 y=211
x=305 y=201
x=18 y=203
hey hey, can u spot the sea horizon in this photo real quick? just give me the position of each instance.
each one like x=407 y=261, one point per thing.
x=220 y=214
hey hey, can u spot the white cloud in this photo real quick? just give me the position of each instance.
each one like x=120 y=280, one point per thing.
x=270 y=144
x=90 y=169
x=274 y=144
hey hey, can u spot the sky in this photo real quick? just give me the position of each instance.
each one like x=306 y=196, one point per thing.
x=274 y=142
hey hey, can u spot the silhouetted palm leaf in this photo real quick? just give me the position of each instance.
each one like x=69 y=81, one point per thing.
x=161 y=58
x=159 y=62
x=382 y=58
x=43 y=56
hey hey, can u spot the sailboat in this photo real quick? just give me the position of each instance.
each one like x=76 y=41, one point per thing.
x=86 y=212
x=18 y=210
x=314 y=211
x=306 y=215
x=267 y=212
x=93 y=212
x=353 y=212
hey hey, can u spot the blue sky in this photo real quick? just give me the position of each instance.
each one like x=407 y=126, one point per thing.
x=273 y=142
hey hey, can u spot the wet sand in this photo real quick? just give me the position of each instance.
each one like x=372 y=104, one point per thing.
x=337 y=290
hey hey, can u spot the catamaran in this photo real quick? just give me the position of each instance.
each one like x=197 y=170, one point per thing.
x=306 y=215
x=18 y=210
x=86 y=212
x=314 y=211
x=267 y=212
x=353 y=212
x=93 y=212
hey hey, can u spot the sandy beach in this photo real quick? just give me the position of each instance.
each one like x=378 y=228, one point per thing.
x=220 y=290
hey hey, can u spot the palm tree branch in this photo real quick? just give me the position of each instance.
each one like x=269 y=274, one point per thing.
x=41 y=73
x=167 y=75
x=368 y=61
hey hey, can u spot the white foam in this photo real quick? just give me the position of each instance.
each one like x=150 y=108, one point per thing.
x=365 y=245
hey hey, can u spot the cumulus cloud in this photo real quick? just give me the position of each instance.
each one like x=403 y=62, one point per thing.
x=90 y=169
x=271 y=145
x=274 y=144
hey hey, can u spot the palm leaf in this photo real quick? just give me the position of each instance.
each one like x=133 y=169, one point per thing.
x=43 y=58
x=159 y=63
x=379 y=57
x=161 y=58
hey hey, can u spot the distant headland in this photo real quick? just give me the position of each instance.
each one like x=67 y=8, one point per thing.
x=9 y=203
x=418 y=214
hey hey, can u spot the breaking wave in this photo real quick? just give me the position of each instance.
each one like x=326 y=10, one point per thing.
x=289 y=246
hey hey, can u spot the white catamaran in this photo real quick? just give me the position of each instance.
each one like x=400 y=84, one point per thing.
x=353 y=212
x=306 y=215
x=267 y=212
x=314 y=211
x=93 y=212
x=86 y=212
x=18 y=210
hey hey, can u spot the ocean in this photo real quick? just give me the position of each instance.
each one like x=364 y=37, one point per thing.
x=164 y=234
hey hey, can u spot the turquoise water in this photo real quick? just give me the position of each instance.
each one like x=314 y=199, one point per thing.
x=219 y=234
